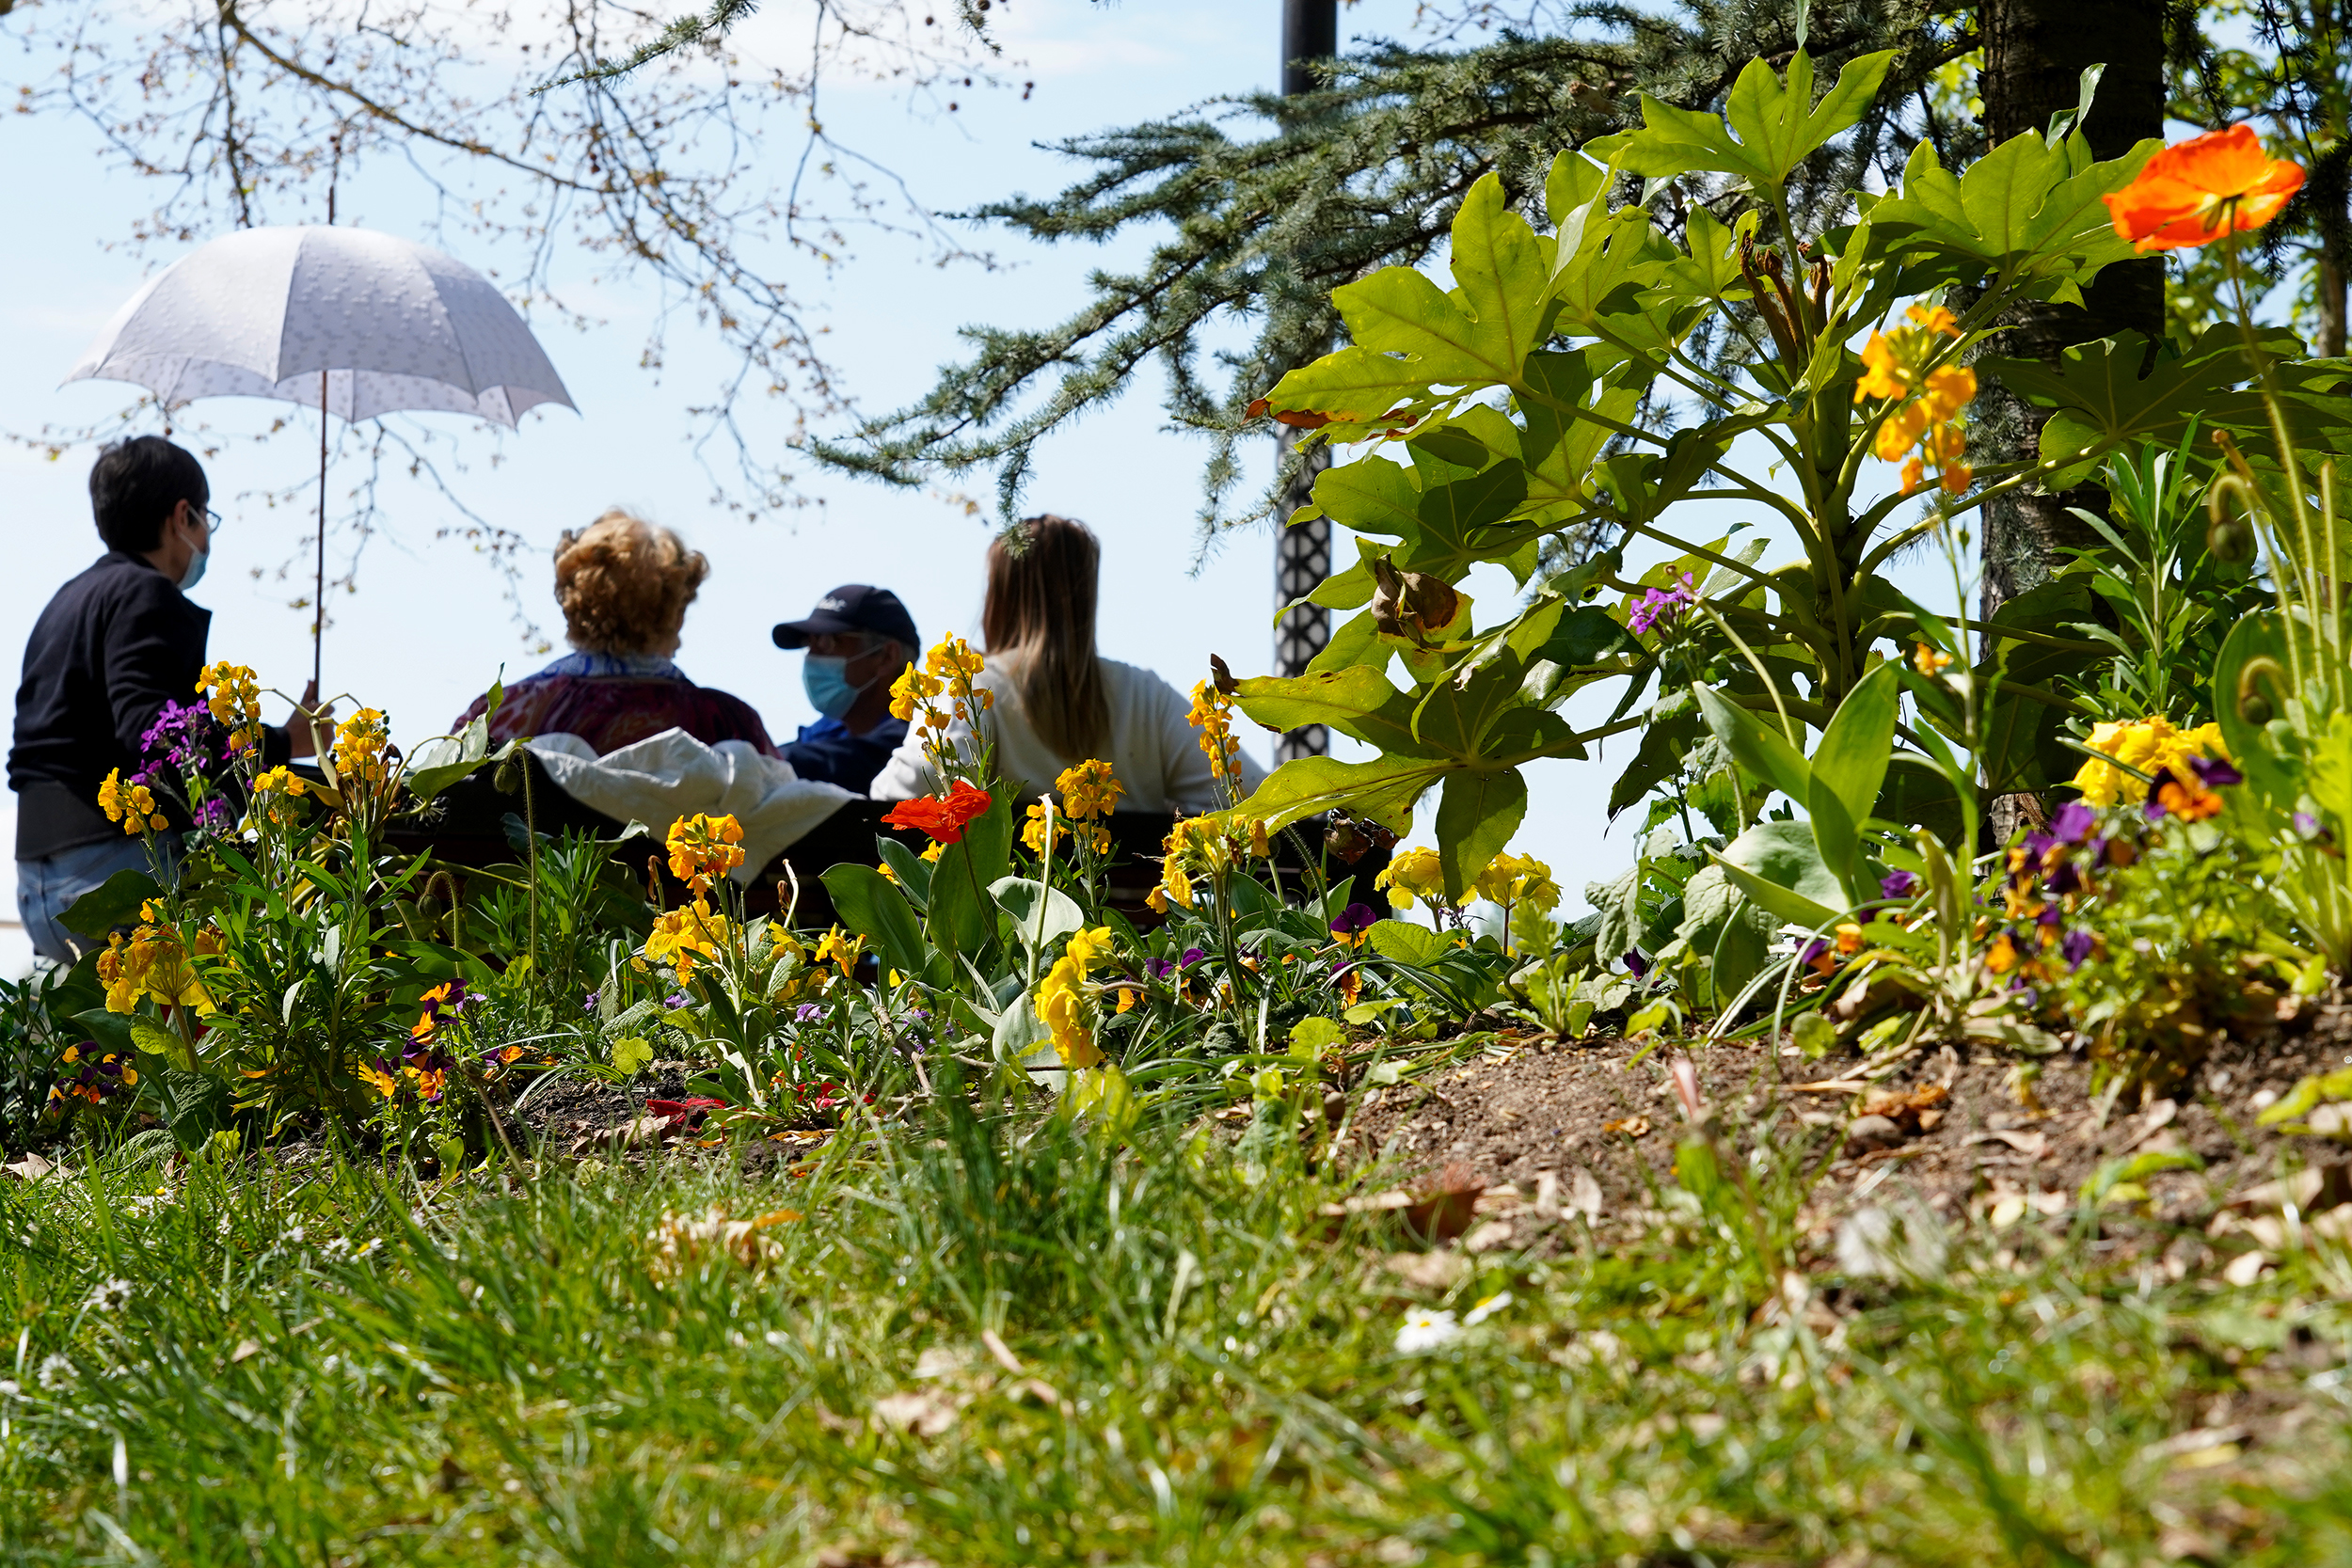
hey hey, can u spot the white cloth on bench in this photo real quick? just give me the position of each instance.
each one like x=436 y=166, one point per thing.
x=664 y=777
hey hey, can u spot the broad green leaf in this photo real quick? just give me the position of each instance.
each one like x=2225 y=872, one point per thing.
x=1477 y=813
x=1042 y=915
x=1402 y=941
x=1371 y=495
x=1584 y=635
x=631 y=1056
x=1498 y=270
x=1400 y=311
x=1851 y=761
x=959 y=914
x=442 y=760
x=1617 y=905
x=114 y=902
x=1771 y=127
x=1357 y=701
x=1383 y=789
x=873 y=907
x=2103 y=400
x=1354 y=385
x=912 y=871
x=1777 y=865
x=1757 y=746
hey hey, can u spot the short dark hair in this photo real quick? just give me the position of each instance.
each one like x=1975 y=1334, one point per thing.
x=134 y=486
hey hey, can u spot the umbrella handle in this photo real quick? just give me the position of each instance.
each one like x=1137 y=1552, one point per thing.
x=318 y=595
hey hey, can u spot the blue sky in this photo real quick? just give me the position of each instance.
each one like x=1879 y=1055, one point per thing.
x=428 y=626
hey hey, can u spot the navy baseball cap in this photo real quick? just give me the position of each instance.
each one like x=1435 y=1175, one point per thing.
x=852 y=607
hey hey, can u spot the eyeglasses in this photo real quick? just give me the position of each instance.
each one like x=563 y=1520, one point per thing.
x=212 y=523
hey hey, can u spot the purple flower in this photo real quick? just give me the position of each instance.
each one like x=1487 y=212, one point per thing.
x=2049 y=916
x=2214 y=771
x=675 y=1000
x=1816 y=952
x=807 y=1012
x=184 y=735
x=2155 y=810
x=1192 y=956
x=1655 y=609
x=2065 y=879
x=1159 y=969
x=2039 y=844
x=214 y=814
x=2306 y=824
x=1898 y=884
x=2074 y=822
x=1637 y=964
x=588 y=1003
x=2075 y=947
x=1354 y=918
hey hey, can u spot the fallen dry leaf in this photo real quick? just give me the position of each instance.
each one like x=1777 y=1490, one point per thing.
x=924 y=1415
x=31 y=1168
x=1001 y=1352
x=1488 y=1237
x=2244 y=1268
x=245 y=1348
x=1585 y=1194
x=2031 y=1145
x=2310 y=1190
x=1429 y=1271
x=1632 y=1127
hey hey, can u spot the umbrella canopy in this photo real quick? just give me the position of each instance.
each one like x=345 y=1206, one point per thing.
x=263 y=312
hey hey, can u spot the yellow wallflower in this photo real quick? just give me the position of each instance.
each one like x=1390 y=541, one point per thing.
x=685 y=935
x=360 y=743
x=839 y=947
x=1897 y=365
x=1518 y=880
x=1062 y=1003
x=1087 y=790
x=1213 y=716
x=150 y=963
x=2149 y=745
x=703 y=847
x=1930 y=662
x=1413 y=874
x=131 y=804
x=232 y=694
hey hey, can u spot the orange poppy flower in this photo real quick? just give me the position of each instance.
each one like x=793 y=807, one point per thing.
x=2207 y=186
x=943 y=816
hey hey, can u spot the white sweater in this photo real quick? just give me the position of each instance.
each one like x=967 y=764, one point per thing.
x=1154 y=752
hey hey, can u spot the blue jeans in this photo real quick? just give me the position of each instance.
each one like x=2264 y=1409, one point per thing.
x=46 y=888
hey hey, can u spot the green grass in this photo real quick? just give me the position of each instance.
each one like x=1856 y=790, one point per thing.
x=503 y=1369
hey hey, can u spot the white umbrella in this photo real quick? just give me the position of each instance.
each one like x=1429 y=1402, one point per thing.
x=346 y=319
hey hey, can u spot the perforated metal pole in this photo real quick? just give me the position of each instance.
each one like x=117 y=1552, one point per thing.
x=1302 y=555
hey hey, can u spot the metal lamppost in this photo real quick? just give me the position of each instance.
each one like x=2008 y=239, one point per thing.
x=1302 y=555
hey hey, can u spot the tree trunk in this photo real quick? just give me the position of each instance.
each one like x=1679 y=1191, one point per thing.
x=2035 y=53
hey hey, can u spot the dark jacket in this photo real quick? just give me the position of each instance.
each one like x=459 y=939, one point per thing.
x=613 y=711
x=114 y=645
x=828 y=752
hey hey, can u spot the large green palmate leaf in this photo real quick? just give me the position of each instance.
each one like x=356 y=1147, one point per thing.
x=1357 y=701
x=1768 y=129
x=2102 y=399
x=1383 y=789
x=2028 y=212
x=1498 y=270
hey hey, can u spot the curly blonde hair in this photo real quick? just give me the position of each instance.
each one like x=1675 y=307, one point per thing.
x=625 y=583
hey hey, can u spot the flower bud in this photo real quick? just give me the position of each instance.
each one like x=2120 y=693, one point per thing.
x=2229 y=527
x=2254 y=704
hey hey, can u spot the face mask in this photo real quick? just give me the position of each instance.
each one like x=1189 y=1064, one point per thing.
x=195 y=573
x=827 y=682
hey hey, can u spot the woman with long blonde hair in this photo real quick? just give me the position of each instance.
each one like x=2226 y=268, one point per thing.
x=1055 y=702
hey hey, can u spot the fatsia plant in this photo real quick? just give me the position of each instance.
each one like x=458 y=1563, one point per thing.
x=1499 y=416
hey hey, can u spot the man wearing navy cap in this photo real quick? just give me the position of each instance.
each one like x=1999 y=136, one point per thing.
x=858 y=640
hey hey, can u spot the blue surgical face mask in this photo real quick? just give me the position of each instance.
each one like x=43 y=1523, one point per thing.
x=827 y=682
x=195 y=573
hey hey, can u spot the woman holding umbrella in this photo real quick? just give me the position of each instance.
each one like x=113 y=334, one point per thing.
x=114 y=646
